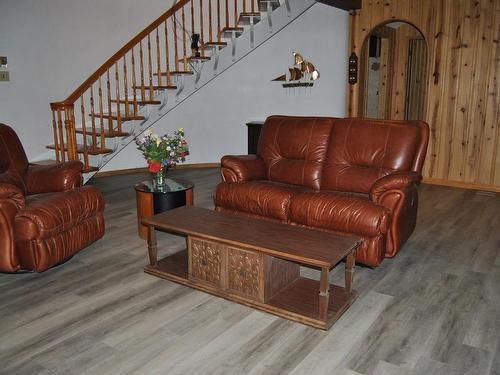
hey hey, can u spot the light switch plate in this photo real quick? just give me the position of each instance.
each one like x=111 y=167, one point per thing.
x=4 y=76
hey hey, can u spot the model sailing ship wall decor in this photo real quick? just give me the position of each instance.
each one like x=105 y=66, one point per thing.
x=301 y=74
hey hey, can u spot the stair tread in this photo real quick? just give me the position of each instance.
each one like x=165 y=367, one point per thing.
x=176 y=72
x=199 y=58
x=250 y=14
x=157 y=87
x=231 y=29
x=114 y=116
x=215 y=44
x=107 y=134
x=138 y=101
x=179 y=72
x=80 y=148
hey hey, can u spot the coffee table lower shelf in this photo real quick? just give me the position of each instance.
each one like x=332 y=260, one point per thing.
x=298 y=301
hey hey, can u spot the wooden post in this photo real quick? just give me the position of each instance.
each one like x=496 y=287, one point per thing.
x=152 y=246
x=324 y=294
x=56 y=137
x=349 y=271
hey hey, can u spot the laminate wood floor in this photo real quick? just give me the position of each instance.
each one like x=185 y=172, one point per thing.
x=434 y=309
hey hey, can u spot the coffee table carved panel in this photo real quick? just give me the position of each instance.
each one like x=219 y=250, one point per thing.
x=246 y=272
x=206 y=261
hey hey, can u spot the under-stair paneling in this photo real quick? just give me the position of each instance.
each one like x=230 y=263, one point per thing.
x=462 y=105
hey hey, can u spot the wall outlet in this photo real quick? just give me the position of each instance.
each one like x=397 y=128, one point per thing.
x=4 y=76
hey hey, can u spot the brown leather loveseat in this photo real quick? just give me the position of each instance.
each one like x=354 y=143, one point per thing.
x=351 y=176
x=45 y=216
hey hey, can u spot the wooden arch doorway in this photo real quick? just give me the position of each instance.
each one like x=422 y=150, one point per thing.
x=393 y=68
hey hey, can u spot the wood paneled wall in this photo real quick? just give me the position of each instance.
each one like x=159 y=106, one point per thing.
x=462 y=105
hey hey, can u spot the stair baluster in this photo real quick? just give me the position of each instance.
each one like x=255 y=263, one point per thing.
x=141 y=67
x=210 y=29
x=158 y=59
x=108 y=97
x=167 y=55
x=219 y=36
x=117 y=95
x=176 y=47
x=192 y=17
x=184 y=53
x=134 y=80
x=150 y=70
x=92 y=121
x=235 y=13
x=125 y=88
x=227 y=14
x=202 y=37
x=101 y=114
x=84 y=133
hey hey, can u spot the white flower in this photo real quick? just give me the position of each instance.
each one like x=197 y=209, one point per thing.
x=169 y=148
x=148 y=133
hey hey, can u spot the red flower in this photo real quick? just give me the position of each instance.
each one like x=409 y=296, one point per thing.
x=154 y=166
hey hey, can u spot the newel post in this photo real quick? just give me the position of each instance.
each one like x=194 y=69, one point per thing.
x=63 y=123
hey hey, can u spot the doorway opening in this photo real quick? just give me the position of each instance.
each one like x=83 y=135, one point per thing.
x=393 y=73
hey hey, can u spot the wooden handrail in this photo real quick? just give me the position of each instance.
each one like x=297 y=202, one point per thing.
x=70 y=100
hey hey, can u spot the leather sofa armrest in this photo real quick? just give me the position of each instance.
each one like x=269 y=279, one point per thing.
x=11 y=201
x=243 y=168
x=48 y=178
x=400 y=181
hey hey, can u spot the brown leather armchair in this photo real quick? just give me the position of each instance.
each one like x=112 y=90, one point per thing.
x=350 y=176
x=45 y=214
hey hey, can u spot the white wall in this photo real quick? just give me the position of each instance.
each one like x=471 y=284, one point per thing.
x=214 y=117
x=52 y=47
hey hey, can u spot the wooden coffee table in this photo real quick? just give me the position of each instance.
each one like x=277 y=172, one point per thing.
x=256 y=263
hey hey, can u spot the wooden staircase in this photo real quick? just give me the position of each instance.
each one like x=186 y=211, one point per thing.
x=114 y=104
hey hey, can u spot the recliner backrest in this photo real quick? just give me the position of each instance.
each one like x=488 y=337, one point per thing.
x=294 y=149
x=361 y=151
x=13 y=160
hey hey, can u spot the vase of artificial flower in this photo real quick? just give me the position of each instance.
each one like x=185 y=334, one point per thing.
x=162 y=153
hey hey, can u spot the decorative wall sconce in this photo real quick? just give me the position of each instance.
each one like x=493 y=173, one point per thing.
x=353 y=69
x=302 y=74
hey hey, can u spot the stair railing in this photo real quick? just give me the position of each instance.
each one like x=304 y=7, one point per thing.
x=129 y=79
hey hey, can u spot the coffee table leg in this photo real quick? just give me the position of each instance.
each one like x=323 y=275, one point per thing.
x=349 y=271
x=152 y=246
x=324 y=294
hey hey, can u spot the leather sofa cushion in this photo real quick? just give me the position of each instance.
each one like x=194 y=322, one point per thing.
x=339 y=212
x=46 y=215
x=360 y=153
x=294 y=149
x=260 y=198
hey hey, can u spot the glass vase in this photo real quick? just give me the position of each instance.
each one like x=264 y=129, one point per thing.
x=159 y=179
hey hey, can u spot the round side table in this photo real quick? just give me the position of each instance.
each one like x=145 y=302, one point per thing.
x=152 y=201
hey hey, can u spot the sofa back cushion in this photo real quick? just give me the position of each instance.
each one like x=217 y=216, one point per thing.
x=294 y=149
x=361 y=151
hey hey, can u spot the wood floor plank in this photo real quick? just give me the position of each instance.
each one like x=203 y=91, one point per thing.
x=433 y=309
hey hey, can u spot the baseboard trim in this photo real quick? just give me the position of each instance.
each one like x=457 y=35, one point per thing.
x=120 y=172
x=461 y=184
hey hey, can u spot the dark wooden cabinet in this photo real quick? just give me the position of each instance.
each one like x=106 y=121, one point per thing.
x=254 y=128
